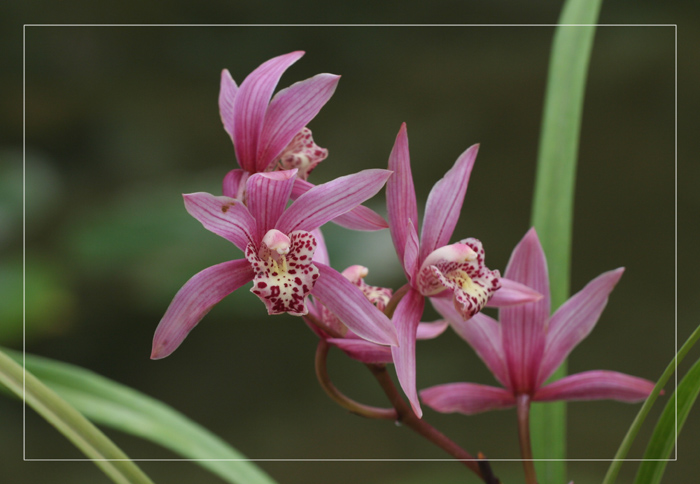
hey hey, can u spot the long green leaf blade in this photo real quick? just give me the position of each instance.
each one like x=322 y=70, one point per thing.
x=664 y=437
x=552 y=212
x=120 y=407
x=626 y=444
x=73 y=425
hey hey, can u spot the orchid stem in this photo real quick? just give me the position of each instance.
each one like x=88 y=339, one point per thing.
x=523 y=407
x=395 y=299
x=338 y=397
x=406 y=416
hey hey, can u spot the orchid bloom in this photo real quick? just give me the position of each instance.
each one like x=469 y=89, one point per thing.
x=279 y=247
x=435 y=269
x=351 y=344
x=271 y=134
x=528 y=345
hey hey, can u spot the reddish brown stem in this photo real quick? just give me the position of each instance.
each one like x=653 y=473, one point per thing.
x=523 y=408
x=407 y=417
x=338 y=397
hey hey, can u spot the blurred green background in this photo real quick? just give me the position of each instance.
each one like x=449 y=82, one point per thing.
x=120 y=121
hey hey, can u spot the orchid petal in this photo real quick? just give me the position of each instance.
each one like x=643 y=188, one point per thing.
x=302 y=153
x=400 y=193
x=321 y=254
x=234 y=184
x=431 y=330
x=466 y=398
x=482 y=333
x=362 y=350
x=512 y=293
x=349 y=304
x=596 y=385
x=194 y=300
x=224 y=216
x=445 y=203
x=410 y=254
x=575 y=319
x=406 y=319
x=251 y=105
x=227 y=94
x=359 y=218
x=267 y=196
x=290 y=110
x=325 y=202
x=523 y=326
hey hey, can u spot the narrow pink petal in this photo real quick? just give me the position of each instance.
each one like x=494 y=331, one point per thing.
x=406 y=319
x=349 y=304
x=251 y=105
x=596 y=385
x=359 y=218
x=400 y=193
x=512 y=293
x=194 y=300
x=575 y=319
x=325 y=202
x=227 y=94
x=224 y=216
x=267 y=196
x=466 y=398
x=523 y=326
x=410 y=253
x=362 y=350
x=321 y=254
x=482 y=333
x=234 y=183
x=431 y=330
x=445 y=203
x=290 y=110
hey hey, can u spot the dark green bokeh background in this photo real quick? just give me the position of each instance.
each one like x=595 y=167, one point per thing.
x=121 y=120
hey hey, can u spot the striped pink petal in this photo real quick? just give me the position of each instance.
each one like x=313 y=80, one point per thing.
x=325 y=202
x=466 y=398
x=227 y=94
x=512 y=293
x=359 y=218
x=431 y=330
x=410 y=253
x=349 y=304
x=445 y=203
x=406 y=319
x=234 y=183
x=224 y=216
x=267 y=196
x=290 y=110
x=482 y=333
x=596 y=385
x=361 y=350
x=523 y=326
x=194 y=300
x=251 y=104
x=400 y=193
x=575 y=319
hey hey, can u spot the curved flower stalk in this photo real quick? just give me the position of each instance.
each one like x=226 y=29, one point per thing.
x=528 y=345
x=271 y=134
x=279 y=247
x=434 y=269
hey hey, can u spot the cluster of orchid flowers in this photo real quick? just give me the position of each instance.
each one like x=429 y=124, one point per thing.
x=285 y=257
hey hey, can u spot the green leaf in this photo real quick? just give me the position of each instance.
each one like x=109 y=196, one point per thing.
x=664 y=437
x=120 y=407
x=552 y=212
x=615 y=466
x=84 y=435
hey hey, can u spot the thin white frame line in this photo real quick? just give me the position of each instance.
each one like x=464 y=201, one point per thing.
x=24 y=407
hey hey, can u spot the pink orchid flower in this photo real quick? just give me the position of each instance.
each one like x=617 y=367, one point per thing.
x=528 y=345
x=271 y=134
x=279 y=247
x=434 y=269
